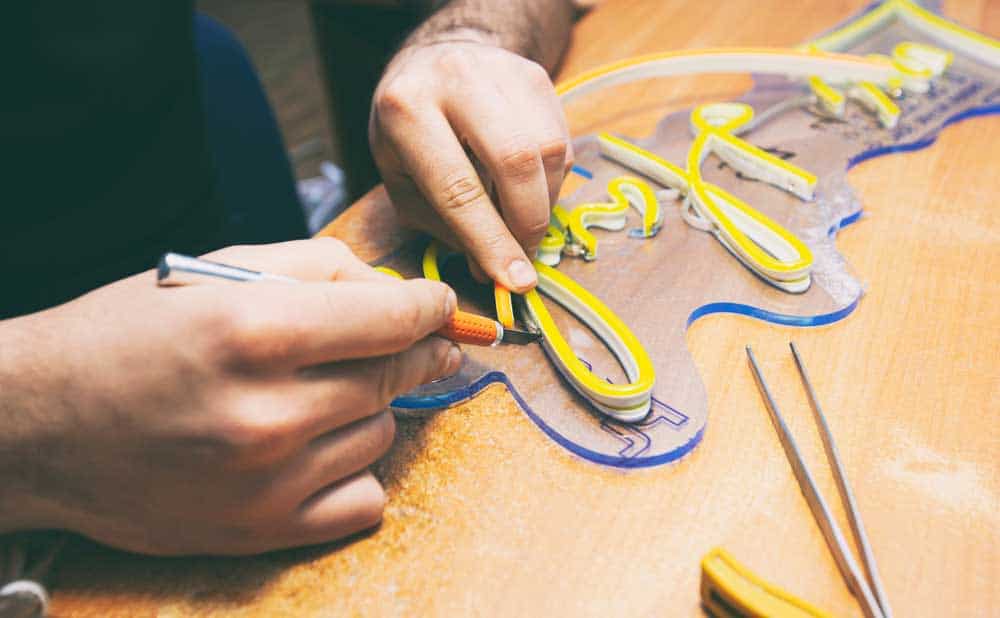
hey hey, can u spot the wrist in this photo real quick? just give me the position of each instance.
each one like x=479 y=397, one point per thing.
x=25 y=381
x=459 y=33
x=535 y=29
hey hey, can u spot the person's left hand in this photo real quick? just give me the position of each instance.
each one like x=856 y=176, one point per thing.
x=472 y=145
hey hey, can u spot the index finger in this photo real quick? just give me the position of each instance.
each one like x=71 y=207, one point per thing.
x=450 y=183
x=314 y=259
x=307 y=324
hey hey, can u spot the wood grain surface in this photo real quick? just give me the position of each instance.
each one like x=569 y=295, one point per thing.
x=488 y=517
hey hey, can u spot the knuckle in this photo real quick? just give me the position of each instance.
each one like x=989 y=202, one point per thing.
x=461 y=191
x=407 y=318
x=519 y=162
x=496 y=243
x=536 y=226
x=538 y=76
x=336 y=255
x=247 y=338
x=554 y=154
x=335 y=247
x=393 y=101
x=254 y=433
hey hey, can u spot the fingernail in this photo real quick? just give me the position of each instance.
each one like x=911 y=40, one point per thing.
x=450 y=303
x=454 y=360
x=522 y=274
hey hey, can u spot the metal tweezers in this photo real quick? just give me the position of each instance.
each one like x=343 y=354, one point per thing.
x=866 y=589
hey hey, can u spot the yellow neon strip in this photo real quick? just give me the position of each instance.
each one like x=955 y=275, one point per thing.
x=628 y=402
x=727 y=585
x=551 y=248
x=917 y=56
x=832 y=67
x=919 y=63
x=846 y=36
x=605 y=216
x=644 y=162
x=872 y=98
x=504 y=304
x=916 y=63
x=641 y=197
x=501 y=296
x=430 y=262
x=786 y=262
x=764 y=262
x=975 y=44
x=718 y=121
x=831 y=99
x=623 y=191
x=388 y=271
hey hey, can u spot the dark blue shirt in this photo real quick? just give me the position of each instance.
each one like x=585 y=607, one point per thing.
x=104 y=159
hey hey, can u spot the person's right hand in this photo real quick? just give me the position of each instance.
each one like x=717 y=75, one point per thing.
x=216 y=418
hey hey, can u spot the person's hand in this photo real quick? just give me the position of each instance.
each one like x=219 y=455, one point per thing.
x=223 y=418
x=472 y=145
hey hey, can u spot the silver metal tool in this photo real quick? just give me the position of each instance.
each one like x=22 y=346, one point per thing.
x=178 y=269
x=867 y=590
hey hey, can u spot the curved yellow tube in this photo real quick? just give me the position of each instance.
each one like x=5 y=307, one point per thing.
x=627 y=402
x=623 y=191
x=504 y=305
x=758 y=241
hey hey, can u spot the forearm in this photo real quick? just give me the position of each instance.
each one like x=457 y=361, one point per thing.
x=23 y=422
x=536 y=29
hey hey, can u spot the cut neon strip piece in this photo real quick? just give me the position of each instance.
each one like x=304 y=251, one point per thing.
x=728 y=587
x=830 y=99
x=626 y=402
x=873 y=99
x=504 y=304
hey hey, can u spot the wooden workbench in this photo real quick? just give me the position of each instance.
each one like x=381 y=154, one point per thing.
x=488 y=517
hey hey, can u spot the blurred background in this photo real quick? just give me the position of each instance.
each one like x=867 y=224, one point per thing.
x=279 y=36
